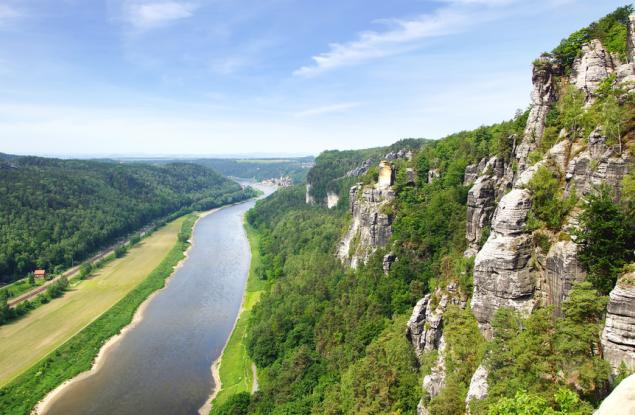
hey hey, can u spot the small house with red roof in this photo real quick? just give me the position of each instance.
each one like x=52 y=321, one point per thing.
x=39 y=273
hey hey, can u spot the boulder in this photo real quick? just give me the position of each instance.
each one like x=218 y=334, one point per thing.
x=621 y=400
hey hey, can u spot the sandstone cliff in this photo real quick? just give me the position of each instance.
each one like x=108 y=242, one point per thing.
x=371 y=219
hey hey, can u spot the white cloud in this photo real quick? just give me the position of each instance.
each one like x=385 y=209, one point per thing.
x=145 y=16
x=372 y=44
x=404 y=35
x=328 y=109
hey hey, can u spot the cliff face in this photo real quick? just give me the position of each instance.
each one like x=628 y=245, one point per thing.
x=425 y=332
x=618 y=337
x=508 y=271
x=510 y=268
x=371 y=220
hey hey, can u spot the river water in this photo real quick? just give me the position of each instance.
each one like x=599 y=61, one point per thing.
x=162 y=366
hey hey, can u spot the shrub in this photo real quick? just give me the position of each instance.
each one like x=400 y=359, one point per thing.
x=606 y=238
x=548 y=208
x=120 y=251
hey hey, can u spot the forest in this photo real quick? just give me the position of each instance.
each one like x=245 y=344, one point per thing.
x=54 y=213
x=330 y=340
x=255 y=168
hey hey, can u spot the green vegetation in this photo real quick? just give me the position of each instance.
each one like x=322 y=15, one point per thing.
x=465 y=348
x=19 y=287
x=543 y=353
x=611 y=30
x=607 y=237
x=331 y=166
x=56 y=212
x=235 y=369
x=566 y=403
x=548 y=207
x=260 y=169
x=77 y=354
x=328 y=339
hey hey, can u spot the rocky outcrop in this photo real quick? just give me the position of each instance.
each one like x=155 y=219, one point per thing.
x=478 y=386
x=562 y=270
x=402 y=154
x=386 y=175
x=387 y=262
x=481 y=201
x=332 y=199
x=595 y=165
x=433 y=174
x=360 y=170
x=621 y=400
x=309 y=199
x=425 y=331
x=503 y=276
x=593 y=66
x=425 y=326
x=543 y=96
x=371 y=224
x=618 y=336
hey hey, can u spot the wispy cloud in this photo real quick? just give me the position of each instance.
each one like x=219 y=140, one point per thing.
x=372 y=44
x=149 y=15
x=403 y=35
x=328 y=109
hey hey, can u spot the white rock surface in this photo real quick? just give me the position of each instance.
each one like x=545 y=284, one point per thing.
x=478 y=386
x=370 y=227
x=593 y=66
x=621 y=401
x=618 y=336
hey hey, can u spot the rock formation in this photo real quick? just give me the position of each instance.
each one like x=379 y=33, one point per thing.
x=481 y=200
x=309 y=199
x=543 y=96
x=386 y=175
x=478 y=386
x=618 y=336
x=502 y=273
x=371 y=221
x=331 y=199
x=621 y=400
x=590 y=68
x=425 y=332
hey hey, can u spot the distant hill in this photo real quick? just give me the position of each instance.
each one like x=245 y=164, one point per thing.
x=261 y=169
x=54 y=212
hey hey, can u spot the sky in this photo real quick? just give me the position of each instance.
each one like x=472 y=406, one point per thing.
x=220 y=77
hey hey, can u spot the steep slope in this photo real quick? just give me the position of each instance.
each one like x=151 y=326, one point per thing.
x=506 y=240
x=54 y=212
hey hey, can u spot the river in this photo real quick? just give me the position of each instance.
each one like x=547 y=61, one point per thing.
x=162 y=366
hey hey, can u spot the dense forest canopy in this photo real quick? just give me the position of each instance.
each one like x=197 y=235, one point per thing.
x=55 y=212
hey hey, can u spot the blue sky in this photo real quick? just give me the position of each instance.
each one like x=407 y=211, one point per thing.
x=162 y=77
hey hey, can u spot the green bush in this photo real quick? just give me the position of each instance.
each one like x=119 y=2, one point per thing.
x=606 y=239
x=548 y=207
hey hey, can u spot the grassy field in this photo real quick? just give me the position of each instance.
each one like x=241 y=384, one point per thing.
x=78 y=353
x=27 y=340
x=19 y=287
x=235 y=367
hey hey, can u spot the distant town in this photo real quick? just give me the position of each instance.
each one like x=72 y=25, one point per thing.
x=282 y=181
